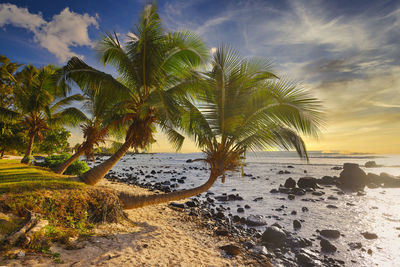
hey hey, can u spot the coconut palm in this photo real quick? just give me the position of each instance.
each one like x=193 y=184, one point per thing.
x=95 y=129
x=7 y=81
x=152 y=67
x=241 y=106
x=39 y=104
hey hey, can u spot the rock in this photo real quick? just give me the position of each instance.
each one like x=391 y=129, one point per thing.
x=298 y=191
x=369 y=251
x=296 y=224
x=241 y=210
x=307 y=182
x=153 y=172
x=189 y=161
x=389 y=181
x=293 y=212
x=274 y=191
x=255 y=220
x=337 y=168
x=326 y=180
x=332 y=198
x=326 y=246
x=236 y=218
x=304 y=209
x=331 y=206
x=177 y=205
x=370 y=164
x=273 y=235
x=330 y=233
x=355 y=245
x=291 y=197
x=368 y=235
x=284 y=190
x=257 y=199
x=231 y=250
x=21 y=254
x=361 y=193
x=247 y=207
x=290 y=183
x=352 y=177
x=221 y=232
x=191 y=204
x=318 y=193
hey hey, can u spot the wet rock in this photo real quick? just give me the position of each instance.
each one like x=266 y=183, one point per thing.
x=371 y=164
x=189 y=161
x=307 y=182
x=318 y=193
x=191 y=204
x=327 y=246
x=221 y=232
x=241 y=210
x=291 y=196
x=361 y=194
x=236 y=218
x=284 y=190
x=327 y=180
x=296 y=224
x=257 y=199
x=274 y=191
x=332 y=198
x=231 y=250
x=330 y=233
x=355 y=245
x=153 y=172
x=337 y=168
x=247 y=207
x=274 y=236
x=368 y=235
x=177 y=205
x=293 y=212
x=298 y=191
x=255 y=220
x=352 y=177
x=304 y=209
x=331 y=206
x=306 y=258
x=389 y=181
x=290 y=183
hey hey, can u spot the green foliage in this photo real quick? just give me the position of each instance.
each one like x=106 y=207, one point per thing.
x=55 y=141
x=78 y=167
x=7 y=81
x=12 y=138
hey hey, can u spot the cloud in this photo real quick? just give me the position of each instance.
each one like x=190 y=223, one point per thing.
x=64 y=31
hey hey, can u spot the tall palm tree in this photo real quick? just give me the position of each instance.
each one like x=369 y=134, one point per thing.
x=7 y=81
x=152 y=67
x=240 y=106
x=39 y=104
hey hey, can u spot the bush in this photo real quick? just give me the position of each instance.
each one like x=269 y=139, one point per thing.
x=76 y=168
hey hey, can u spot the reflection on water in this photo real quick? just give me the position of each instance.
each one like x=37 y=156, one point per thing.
x=377 y=212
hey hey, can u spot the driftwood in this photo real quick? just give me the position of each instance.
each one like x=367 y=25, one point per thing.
x=32 y=225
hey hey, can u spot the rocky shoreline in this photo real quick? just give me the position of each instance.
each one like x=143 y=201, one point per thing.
x=281 y=246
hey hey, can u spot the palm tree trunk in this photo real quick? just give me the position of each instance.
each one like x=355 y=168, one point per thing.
x=60 y=169
x=28 y=153
x=131 y=201
x=94 y=175
x=2 y=153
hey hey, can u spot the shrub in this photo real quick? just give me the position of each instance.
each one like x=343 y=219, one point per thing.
x=76 y=168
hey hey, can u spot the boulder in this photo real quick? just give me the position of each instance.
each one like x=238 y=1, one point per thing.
x=290 y=183
x=296 y=224
x=327 y=246
x=231 y=250
x=352 y=177
x=368 y=235
x=330 y=233
x=255 y=220
x=327 y=180
x=389 y=180
x=274 y=236
x=370 y=164
x=307 y=182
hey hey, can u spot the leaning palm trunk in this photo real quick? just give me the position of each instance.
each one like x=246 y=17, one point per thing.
x=60 y=169
x=29 y=149
x=131 y=201
x=94 y=175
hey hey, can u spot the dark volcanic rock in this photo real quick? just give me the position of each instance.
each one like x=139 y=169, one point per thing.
x=296 y=224
x=177 y=205
x=368 y=235
x=274 y=191
x=355 y=245
x=326 y=246
x=240 y=210
x=331 y=206
x=304 y=209
x=290 y=183
x=370 y=164
x=231 y=250
x=291 y=196
x=327 y=180
x=274 y=236
x=307 y=182
x=255 y=220
x=352 y=177
x=221 y=232
x=330 y=233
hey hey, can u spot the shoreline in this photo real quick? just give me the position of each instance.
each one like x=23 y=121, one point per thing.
x=162 y=235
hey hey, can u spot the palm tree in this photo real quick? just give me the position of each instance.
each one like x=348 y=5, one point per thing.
x=95 y=129
x=7 y=81
x=152 y=67
x=39 y=104
x=240 y=106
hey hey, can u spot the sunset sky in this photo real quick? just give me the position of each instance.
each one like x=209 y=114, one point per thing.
x=346 y=52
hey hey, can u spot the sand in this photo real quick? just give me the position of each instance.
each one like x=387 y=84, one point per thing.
x=161 y=236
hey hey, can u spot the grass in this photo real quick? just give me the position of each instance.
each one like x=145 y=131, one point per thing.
x=71 y=208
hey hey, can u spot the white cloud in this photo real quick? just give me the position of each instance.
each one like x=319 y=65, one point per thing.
x=65 y=30
x=213 y=50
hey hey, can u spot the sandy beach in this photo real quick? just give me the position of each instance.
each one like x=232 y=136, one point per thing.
x=161 y=236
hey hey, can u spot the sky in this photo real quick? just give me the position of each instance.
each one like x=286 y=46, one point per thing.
x=346 y=53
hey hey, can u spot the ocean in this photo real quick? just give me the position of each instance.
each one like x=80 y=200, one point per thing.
x=377 y=212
